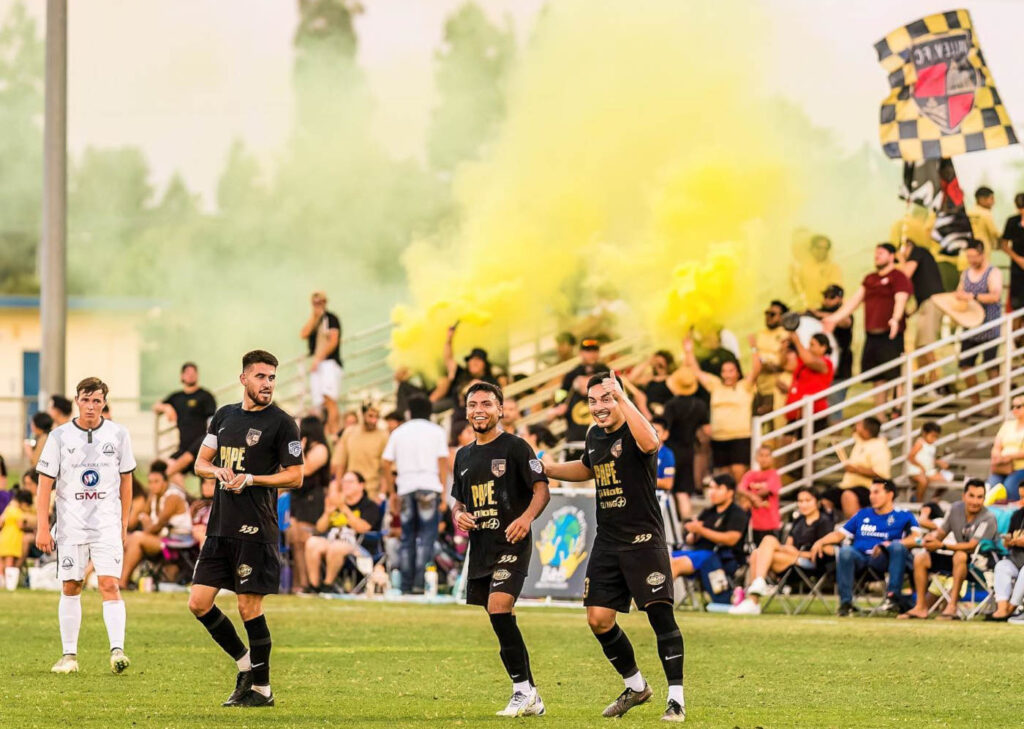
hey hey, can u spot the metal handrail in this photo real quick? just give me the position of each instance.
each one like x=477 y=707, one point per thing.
x=816 y=459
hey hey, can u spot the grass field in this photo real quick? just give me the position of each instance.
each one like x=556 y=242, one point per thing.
x=369 y=664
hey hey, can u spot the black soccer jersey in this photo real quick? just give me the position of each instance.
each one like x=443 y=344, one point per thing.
x=495 y=482
x=628 y=515
x=260 y=442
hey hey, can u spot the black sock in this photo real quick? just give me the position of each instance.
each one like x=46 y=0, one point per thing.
x=512 y=647
x=670 y=641
x=529 y=668
x=223 y=631
x=619 y=651
x=259 y=650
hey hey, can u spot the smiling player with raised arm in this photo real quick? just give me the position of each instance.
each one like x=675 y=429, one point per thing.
x=499 y=489
x=630 y=558
x=252 y=449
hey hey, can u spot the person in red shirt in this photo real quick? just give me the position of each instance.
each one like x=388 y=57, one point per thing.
x=884 y=294
x=760 y=488
x=814 y=373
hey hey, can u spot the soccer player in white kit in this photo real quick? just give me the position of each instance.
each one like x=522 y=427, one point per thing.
x=88 y=461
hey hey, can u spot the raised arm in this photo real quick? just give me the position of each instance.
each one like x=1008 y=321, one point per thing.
x=849 y=306
x=816 y=364
x=705 y=378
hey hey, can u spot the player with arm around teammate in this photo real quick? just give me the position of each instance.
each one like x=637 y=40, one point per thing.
x=499 y=490
x=630 y=559
x=252 y=449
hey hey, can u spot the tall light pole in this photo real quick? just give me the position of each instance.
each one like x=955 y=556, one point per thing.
x=53 y=249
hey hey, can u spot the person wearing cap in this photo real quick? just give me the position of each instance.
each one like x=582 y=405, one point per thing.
x=918 y=264
x=572 y=395
x=816 y=271
x=322 y=332
x=687 y=421
x=884 y=293
x=771 y=344
x=652 y=377
x=450 y=390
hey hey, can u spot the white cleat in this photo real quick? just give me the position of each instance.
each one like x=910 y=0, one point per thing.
x=118 y=661
x=521 y=704
x=67 y=664
x=537 y=707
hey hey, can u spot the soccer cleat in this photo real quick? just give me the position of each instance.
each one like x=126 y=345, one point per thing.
x=747 y=607
x=537 y=707
x=118 y=661
x=255 y=698
x=674 y=712
x=520 y=704
x=68 y=663
x=243 y=684
x=627 y=700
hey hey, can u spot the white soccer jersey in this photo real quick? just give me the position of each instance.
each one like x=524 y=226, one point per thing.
x=86 y=466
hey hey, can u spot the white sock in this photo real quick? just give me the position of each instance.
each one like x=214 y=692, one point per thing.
x=115 y=618
x=244 y=664
x=675 y=693
x=636 y=681
x=69 y=613
x=265 y=690
x=522 y=687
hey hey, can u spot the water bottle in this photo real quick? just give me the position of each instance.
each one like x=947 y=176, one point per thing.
x=286 y=577
x=430 y=581
x=396 y=582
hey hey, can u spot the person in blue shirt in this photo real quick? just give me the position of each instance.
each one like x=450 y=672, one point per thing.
x=666 y=458
x=881 y=540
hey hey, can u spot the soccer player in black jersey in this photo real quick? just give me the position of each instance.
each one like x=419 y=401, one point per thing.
x=499 y=490
x=252 y=449
x=630 y=558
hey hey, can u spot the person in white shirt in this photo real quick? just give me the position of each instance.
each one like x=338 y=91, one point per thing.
x=415 y=464
x=89 y=463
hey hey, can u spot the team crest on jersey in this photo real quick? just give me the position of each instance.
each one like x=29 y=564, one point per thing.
x=500 y=575
x=90 y=478
x=656 y=578
x=244 y=570
x=536 y=466
x=498 y=467
x=295 y=448
x=253 y=436
x=617 y=448
x=108 y=449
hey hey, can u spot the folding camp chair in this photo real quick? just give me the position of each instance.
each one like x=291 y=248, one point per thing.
x=980 y=585
x=797 y=588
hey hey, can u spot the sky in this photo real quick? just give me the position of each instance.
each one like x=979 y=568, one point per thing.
x=182 y=78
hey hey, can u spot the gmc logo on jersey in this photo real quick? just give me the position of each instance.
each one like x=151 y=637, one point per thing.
x=246 y=529
x=89 y=496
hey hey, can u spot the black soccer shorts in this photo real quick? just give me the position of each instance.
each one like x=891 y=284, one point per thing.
x=614 y=577
x=247 y=568
x=479 y=589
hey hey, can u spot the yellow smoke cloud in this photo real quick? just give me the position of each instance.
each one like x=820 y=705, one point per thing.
x=636 y=151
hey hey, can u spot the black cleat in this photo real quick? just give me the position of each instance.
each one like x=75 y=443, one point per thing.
x=255 y=698
x=846 y=610
x=243 y=684
x=627 y=700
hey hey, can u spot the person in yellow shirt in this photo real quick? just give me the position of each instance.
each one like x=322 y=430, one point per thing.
x=770 y=344
x=982 y=224
x=870 y=459
x=360 y=448
x=1008 y=452
x=815 y=272
x=16 y=518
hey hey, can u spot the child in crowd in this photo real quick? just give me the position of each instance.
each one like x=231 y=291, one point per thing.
x=760 y=490
x=666 y=458
x=15 y=519
x=923 y=466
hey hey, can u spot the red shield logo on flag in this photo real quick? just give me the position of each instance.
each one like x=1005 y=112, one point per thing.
x=946 y=80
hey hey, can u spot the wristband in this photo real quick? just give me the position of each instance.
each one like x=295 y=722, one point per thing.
x=248 y=479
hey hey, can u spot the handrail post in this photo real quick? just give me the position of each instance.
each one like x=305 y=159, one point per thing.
x=756 y=439
x=1006 y=381
x=908 y=406
x=156 y=435
x=808 y=435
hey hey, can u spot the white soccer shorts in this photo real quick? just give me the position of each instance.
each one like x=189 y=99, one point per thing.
x=325 y=382
x=107 y=558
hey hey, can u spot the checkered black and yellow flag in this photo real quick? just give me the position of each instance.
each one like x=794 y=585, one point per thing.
x=943 y=100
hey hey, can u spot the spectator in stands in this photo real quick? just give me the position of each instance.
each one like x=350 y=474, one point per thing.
x=982 y=224
x=918 y=264
x=565 y=347
x=774 y=556
x=59 y=410
x=983 y=283
x=884 y=294
x=449 y=390
x=968 y=523
x=652 y=377
x=923 y=465
x=870 y=460
x=1009 y=587
x=832 y=301
x=15 y=518
x=165 y=519
x=713 y=349
x=322 y=332
x=815 y=272
x=360 y=448
x=510 y=416
x=813 y=374
x=40 y=425
x=1008 y=452
x=392 y=420
x=417 y=452
x=759 y=488
x=687 y=419
x=307 y=502
x=200 y=509
x=666 y=459
x=732 y=400
x=3 y=483
x=771 y=344
x=572 y=395
x=189 y=409
x=346 y=517
x=881 y=541
x=931 y=515
x=1013 y=246
x=714 y=540
x=137 y=507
